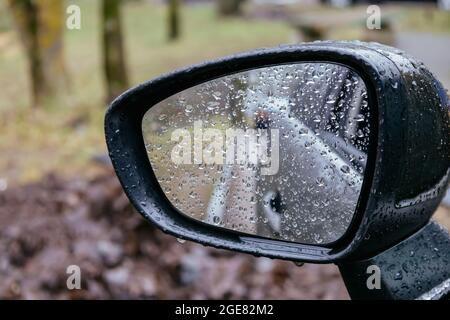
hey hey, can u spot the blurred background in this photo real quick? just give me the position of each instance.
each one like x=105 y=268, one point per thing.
x=61 y=63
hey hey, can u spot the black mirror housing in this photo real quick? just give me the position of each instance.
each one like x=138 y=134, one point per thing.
x=408 y=161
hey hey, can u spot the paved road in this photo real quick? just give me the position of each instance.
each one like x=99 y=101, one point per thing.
x=432 y=49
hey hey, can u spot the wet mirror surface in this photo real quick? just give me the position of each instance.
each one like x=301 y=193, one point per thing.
x=278 y=152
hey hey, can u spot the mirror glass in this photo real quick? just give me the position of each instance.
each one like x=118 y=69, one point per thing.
x=278 y=152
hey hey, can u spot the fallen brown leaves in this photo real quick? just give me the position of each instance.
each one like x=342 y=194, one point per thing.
x=47 y=226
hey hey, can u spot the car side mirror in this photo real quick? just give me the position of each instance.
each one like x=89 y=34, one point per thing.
x=278 y=152
x=320 y=152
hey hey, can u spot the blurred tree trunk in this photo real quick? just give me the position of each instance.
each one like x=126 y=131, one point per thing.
x=229 y=7
x=174 y=19
x=40 y=24
x=113 y=52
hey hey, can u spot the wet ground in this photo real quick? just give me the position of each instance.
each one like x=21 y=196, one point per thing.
x=48 y=226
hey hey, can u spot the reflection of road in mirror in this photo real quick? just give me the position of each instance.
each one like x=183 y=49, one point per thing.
x=258 y=147
x=278 y=152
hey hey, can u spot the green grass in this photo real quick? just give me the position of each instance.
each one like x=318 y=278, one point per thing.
x=64 y=137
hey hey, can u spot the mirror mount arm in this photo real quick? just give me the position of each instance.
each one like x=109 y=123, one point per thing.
x=415 y=268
